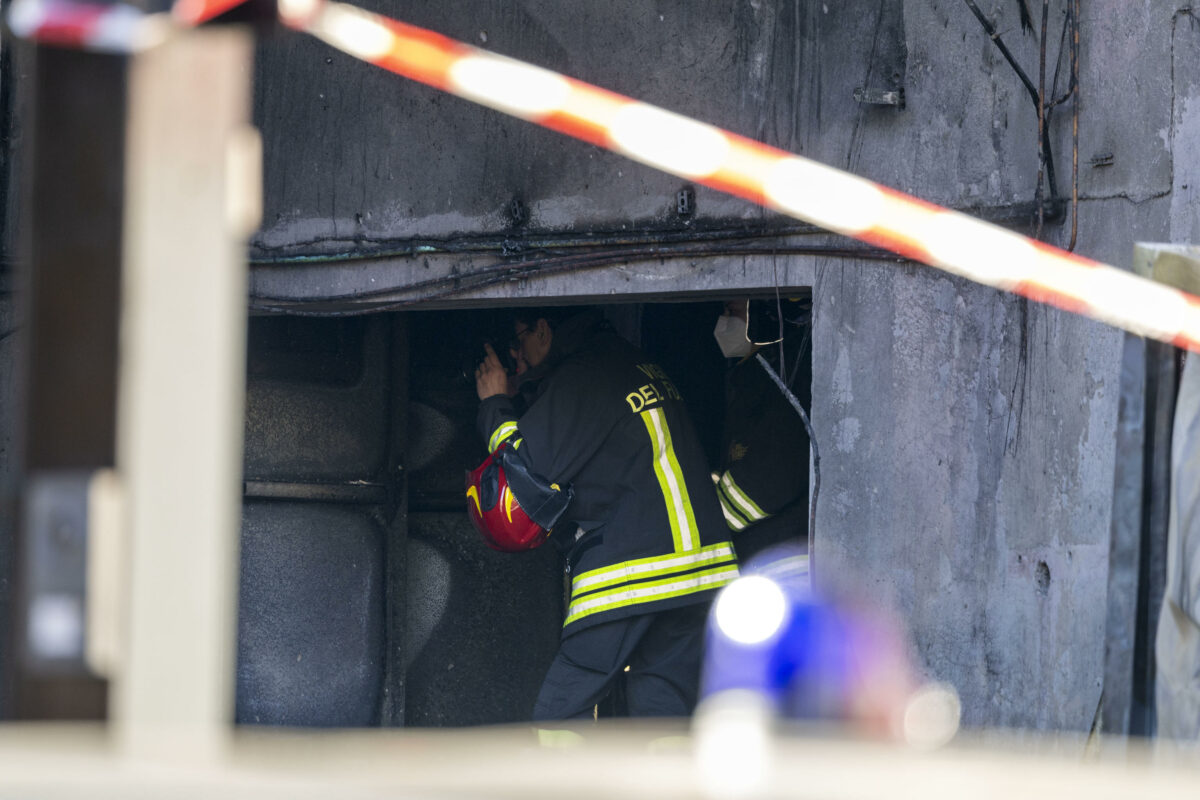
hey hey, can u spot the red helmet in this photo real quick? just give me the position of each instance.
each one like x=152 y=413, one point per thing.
x=495 y=490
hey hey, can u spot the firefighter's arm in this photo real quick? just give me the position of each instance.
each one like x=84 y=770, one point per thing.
x=768 y=476
x=563 y=428
x=497 y=420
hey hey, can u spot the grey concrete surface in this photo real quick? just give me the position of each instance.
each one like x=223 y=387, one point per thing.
x=1185 y=126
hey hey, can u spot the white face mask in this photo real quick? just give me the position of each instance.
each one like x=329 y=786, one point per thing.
x=730 y=334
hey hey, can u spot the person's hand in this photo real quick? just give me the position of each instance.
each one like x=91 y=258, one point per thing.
x=490 y=377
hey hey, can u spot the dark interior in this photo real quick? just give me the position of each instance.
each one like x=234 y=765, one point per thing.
x=367 y=598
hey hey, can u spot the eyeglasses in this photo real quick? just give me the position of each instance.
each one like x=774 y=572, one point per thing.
x=515 y=342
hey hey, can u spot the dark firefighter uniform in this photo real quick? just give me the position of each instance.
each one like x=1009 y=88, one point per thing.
x=644 y=537
x=765 y=471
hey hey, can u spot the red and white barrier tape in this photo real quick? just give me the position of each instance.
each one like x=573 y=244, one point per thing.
x=115 y=28
x=788 y=183
x=197 y=12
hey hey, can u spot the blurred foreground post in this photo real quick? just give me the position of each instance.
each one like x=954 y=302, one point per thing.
x=192 y=188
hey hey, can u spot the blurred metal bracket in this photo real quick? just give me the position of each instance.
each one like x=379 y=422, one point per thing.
x=880 y=97
x=72 y=572
x=55 y=572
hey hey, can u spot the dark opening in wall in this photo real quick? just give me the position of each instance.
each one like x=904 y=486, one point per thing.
x=367 y=598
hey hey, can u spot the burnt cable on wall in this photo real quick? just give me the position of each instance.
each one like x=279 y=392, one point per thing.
x=1046 y=152
x=1074 y=124
x=368 y=250
x=1045 y=106
x=1042 y=120
x=1072 y=93
x=459 y=283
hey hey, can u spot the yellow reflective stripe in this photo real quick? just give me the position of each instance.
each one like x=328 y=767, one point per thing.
x=670 y=478
x=741 y=501
x=500 y=434
x=651 y=592
x=731 y=517
x=649 y=567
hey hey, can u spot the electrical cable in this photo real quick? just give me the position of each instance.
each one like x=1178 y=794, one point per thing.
x=1074 y=126
x=994 y=35
x=553 y=265
x=816 y=454
x=1042 y=121
x=515 y=244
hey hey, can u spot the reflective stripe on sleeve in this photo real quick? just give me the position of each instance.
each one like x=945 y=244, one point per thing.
x=670 y=479
x=739 y=500
x=644 y=568
x=501 y=433
x=733 y=519
x=650 y=592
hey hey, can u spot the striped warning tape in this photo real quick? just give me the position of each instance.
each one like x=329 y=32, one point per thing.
x=196 y=12
x=788 y=183
x=115 y=28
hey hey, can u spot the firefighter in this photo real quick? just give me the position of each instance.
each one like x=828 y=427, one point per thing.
x=763 y=482
x=644 y=540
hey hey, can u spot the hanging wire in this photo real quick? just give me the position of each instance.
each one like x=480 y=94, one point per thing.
x=1072 y=93
x=779 y=318
x=816 y=454
x=1046 y=153
x=1074 y=125
x=1041 y=109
